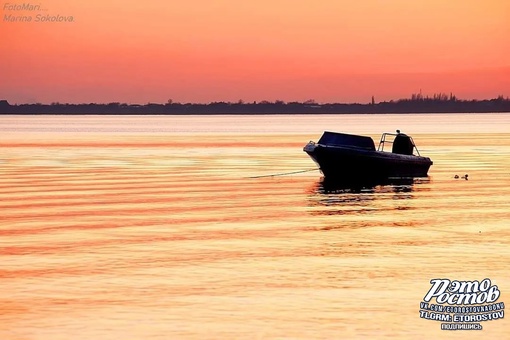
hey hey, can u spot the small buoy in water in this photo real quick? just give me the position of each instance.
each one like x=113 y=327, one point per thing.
x=456 y=176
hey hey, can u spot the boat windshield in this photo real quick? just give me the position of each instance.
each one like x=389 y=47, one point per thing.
x=401 y=143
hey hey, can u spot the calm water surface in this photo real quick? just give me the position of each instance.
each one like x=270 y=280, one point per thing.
x=160 y=227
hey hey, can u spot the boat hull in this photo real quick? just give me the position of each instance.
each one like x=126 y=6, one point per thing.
x=355 y=163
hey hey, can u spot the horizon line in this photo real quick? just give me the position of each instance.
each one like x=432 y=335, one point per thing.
x=414 y=97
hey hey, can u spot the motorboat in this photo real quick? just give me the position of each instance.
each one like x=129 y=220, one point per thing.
x=353 y=157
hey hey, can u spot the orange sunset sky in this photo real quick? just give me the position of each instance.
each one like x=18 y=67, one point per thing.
x=226 y=50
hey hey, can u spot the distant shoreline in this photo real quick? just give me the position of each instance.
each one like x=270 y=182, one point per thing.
x=440 y=103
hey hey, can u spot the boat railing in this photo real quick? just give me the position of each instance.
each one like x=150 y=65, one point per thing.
x=383 y=141
x=310 y=146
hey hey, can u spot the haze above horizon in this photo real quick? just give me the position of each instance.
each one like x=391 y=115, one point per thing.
x=225 y=50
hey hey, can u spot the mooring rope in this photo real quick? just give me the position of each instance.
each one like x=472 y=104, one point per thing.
x=285 y=173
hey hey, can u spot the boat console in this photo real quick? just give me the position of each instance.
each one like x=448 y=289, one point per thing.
x=402 y=143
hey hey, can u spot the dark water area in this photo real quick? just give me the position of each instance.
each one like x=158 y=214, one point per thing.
x=159 y=227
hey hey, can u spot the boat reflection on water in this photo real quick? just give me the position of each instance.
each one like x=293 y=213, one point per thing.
x=333 y=197
x=331 y=186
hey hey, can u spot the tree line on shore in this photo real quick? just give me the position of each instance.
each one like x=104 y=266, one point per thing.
x=438 y=103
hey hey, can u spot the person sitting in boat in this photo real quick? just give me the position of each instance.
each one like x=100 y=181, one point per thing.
x=402 y=144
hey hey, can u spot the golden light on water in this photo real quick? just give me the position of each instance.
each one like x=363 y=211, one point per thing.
x=148 y=229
